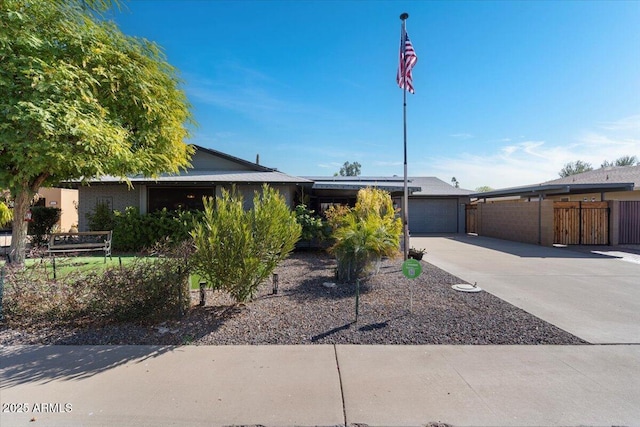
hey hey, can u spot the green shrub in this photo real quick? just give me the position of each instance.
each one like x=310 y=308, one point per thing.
x=102 y=218
x=236 y=250
x=133 y=231
x=364 y=234
x=313 y=227
x=43 y=219
x=6 y=214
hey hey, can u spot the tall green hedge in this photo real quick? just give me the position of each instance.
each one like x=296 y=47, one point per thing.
x=133 y=231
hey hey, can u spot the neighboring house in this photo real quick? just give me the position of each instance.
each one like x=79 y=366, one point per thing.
x=620 y=174
x=211 y=172
x=66 y=200
x=596 y=207
x=615 y=183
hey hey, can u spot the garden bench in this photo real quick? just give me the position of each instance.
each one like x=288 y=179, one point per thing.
x=83 y=241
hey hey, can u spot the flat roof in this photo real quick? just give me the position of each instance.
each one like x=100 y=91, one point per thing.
x=555 y=189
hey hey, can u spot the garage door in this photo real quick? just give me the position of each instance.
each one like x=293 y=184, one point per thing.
x=433 y=216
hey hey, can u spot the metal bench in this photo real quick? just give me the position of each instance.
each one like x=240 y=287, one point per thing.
x=83 y=241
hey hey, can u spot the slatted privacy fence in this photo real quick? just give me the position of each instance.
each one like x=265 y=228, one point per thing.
x=471 y=215
x=581 y=223
x=629 y=223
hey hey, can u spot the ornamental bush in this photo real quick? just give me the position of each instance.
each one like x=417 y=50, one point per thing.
x=238 y=249
x=43 y=220
x=6 y=214
x=364 y=234
x=313 y=227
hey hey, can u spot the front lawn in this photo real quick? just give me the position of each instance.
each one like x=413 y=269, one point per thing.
x=64 y=265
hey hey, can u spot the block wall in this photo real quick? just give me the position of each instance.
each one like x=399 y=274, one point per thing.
x=526 y=222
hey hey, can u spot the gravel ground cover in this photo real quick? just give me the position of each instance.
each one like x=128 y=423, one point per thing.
x=304 y=311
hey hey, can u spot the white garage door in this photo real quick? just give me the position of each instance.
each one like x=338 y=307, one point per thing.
x=433 y=216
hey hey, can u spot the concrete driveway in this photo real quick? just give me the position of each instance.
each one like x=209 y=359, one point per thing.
x=592 y=296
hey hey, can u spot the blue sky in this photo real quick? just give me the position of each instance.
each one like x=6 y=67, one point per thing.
x=507 y=92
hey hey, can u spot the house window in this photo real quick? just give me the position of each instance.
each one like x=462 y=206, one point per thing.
x=177 y=198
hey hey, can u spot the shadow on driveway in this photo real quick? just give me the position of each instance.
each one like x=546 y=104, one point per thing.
x=520 y=249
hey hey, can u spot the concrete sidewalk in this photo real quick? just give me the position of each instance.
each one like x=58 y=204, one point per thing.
x=592 y=296
x=320 y=385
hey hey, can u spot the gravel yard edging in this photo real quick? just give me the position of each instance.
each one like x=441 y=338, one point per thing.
x=306 y=312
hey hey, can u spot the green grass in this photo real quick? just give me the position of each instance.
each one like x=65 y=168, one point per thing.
x=66 y=265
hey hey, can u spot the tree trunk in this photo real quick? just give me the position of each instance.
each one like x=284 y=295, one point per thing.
x=19 y=229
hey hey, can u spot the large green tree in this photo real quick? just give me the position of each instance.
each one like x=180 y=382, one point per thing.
x=79 y=99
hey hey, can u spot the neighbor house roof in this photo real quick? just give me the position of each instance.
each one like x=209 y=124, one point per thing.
x=623 y=178
x=628 y=174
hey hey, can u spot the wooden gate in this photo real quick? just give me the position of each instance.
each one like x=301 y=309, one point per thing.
x=581 y=223
x=629 y=221
x=471 y=215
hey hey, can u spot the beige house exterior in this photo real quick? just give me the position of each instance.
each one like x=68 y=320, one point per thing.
x=66 y=200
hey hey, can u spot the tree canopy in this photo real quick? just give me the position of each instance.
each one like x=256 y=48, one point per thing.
x=621 y=161
x=573 y=168
x=80 y=99
x=349 y=169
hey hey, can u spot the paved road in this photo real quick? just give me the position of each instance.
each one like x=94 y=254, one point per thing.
x=593 y=296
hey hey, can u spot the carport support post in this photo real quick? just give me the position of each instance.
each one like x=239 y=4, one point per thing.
x=540 y=198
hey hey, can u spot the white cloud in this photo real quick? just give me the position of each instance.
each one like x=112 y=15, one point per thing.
x=627 y=123
x=462 y=135
x=532 y=162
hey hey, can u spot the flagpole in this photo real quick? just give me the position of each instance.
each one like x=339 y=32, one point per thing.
x=405 y=201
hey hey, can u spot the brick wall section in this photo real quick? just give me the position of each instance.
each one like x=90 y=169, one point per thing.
x=517 y=221
x=120 y=195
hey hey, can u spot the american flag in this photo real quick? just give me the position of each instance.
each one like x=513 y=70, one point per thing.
x=408 y=59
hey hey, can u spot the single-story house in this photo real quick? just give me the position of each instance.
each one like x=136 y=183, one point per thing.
x=596 y=207
x=211 y=172
x=434 y=206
